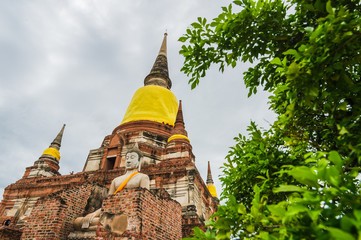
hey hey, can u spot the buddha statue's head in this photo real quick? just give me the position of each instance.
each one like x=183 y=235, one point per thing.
x=133 y=159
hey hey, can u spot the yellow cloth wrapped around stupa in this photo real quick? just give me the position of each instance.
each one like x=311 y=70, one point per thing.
x=52 y=152
x=212 y=190
x=178 y=136
x=153 y=103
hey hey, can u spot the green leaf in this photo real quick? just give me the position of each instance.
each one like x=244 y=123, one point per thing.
x=347 y=224
x=276 y=61
x=196 y=25
x=343 y=131
x=290 y=52
x=194 y=85
x=204 y=21
x=305 y=176
x=250 y=228
x=314 y=215
x=309 y=7
x=313 y=91
x=241 y=209
x=333 y=176
x=277 y=210
x=293 y=69
x=336 y=159
x=307 y=29
x=343 y=106
x=295 y=209
x=223 y=235
x=339 y=234
x=329 y=8
x=183 y=39
x=357 y=214
x=288 y=188
x=238 y=2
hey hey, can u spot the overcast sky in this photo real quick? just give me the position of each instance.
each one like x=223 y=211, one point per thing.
x=79 y=62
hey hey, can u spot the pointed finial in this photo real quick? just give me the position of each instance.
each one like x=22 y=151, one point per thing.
x=180 y=112
x=209 y=175
x=57 y=141
x=159 y=74
x=53 y=149
x=210 y=183
x=179 y=127
x=163 y=47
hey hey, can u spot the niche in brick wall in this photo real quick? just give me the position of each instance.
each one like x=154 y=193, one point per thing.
x=110 y=162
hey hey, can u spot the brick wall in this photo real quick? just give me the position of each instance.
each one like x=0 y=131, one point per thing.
x=188 y=223
x=151 y=215
x=52 y=217
x=9 y=233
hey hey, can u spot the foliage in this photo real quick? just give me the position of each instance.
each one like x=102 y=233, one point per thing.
x=256 y=160
x=296 y=180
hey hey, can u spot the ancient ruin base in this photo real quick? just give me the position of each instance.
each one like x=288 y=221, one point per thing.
x=53 y=216
x=150 y=215
x=147 y=215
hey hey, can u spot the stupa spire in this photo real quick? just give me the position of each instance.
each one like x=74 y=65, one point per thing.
x=163 y=47
x=209 y=175
x=48 y=163
x=159 y=74
x=210 y=183
x=56 y=143
x=53 y=149
x=179 y=127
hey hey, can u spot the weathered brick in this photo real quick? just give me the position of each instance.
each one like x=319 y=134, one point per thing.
x=150 y=216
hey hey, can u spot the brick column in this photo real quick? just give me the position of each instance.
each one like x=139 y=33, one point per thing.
x=118 y=158
x=104 y=160
x=53 y=216
x=150 y=215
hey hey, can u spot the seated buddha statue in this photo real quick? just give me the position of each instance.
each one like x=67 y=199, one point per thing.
x=132 y=178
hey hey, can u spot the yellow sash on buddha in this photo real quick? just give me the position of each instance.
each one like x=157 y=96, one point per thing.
x=120 y=188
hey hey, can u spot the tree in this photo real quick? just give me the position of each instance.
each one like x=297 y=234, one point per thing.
x=297 y=179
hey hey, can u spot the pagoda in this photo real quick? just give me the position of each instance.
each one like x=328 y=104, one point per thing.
x=154 y=124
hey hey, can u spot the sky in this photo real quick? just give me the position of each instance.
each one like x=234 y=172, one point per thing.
x=79 y=62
